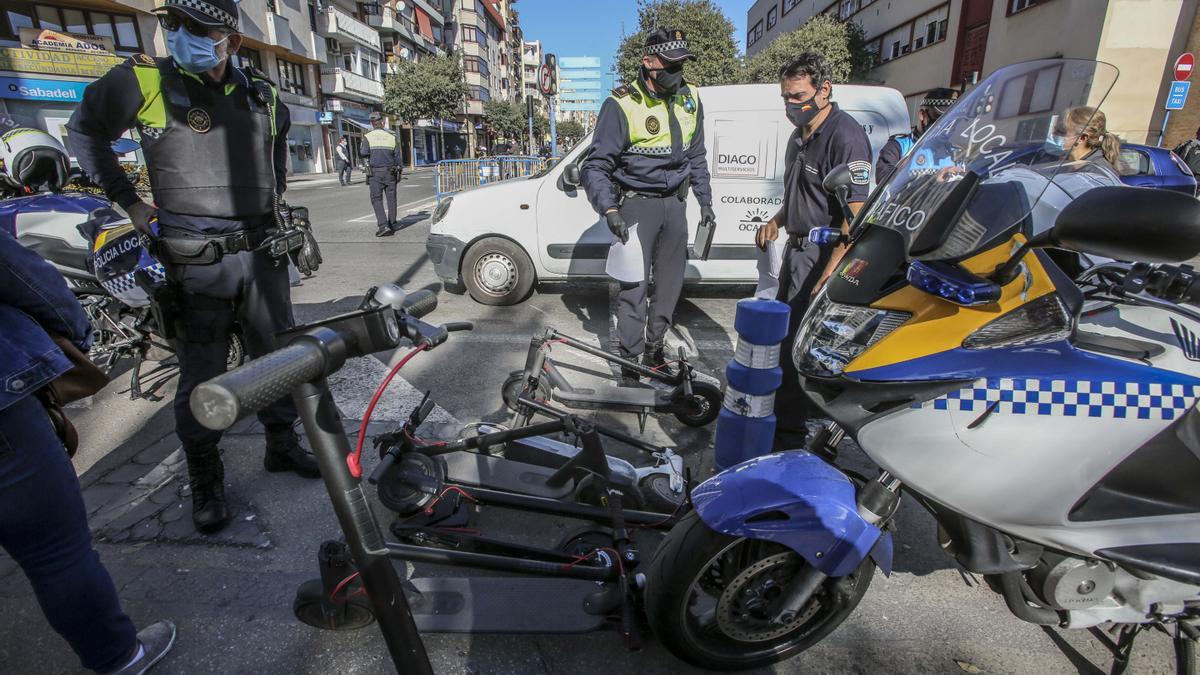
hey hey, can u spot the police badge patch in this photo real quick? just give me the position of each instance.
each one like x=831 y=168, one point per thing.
x=860 y=172
x=652 y=125
x=199 y=120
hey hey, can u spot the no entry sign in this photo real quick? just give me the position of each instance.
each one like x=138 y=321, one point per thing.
x=1183 y=67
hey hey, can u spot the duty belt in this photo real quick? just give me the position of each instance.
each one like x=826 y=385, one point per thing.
x=797 y=241
x=210 y=249
x=680 y=192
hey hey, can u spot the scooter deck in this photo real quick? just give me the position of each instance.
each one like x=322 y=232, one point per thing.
x=628 y=398
x=501 y=605
x=498 y=473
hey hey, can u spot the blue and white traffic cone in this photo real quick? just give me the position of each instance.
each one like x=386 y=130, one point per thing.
x=746 y=426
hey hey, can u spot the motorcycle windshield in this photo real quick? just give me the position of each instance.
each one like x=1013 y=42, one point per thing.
x=986 y=164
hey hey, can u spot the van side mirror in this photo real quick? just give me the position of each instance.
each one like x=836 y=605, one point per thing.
x=571 y=175
x=1131 y=223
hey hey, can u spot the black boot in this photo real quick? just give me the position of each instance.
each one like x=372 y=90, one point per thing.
x=206 y=477
x=655 y=356
x=286 y=453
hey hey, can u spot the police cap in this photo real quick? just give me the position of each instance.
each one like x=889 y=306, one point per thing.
x=215 y=13
x=669 y=45
x=375 y=116
x=939 y=99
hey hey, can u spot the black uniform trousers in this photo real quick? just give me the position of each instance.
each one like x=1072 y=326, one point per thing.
x=344 y=171
x=249 y=289
x=802 y=267
x=381 y=181
x=663 y=233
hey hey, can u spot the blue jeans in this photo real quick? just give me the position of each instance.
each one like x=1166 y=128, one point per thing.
x=43 y=526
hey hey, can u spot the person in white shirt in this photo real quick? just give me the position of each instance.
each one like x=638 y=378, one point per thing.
x=344 y=165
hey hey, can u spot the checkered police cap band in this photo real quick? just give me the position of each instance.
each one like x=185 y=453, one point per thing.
x=666 y=47
x=230 y=20
x=937 y=103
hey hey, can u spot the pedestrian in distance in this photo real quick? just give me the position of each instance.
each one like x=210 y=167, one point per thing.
x=1082 y=132
x=344 y=166
x=1189 y=152
x=647 y=152
x=43 y=522
x=825 y=137
x=215 y=142
x=385 y=162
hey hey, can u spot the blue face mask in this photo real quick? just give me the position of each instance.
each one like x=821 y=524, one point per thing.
x=193 y=53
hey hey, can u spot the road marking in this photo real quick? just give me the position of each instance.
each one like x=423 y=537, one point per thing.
x=370 y=217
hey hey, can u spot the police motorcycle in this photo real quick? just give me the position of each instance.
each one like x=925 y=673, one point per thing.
x=1048 y=423
x=98 y=252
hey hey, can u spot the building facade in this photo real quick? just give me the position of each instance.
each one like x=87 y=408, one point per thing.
x=481 y=37
x=923 y=44
x=580 y=89
x=410 y=30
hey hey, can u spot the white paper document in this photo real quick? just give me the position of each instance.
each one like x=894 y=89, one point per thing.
x=625 y=262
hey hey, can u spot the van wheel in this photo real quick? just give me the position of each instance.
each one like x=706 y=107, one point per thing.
x=497 y=272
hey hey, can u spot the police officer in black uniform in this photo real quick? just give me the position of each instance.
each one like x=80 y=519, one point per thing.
x=933 y=106
x=647 y=150
x=825 y=138
x=386 y=160
x=215 y=141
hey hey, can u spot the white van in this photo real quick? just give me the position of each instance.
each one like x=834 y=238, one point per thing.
x=497 y=240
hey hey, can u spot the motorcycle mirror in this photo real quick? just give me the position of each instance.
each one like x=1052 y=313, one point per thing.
x=837 y=180
x=1130 y=223
x=122 y=146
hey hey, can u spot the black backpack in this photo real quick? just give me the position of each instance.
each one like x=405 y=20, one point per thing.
x=1189 y=152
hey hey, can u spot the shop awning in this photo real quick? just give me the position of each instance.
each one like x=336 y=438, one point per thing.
x=360 y=125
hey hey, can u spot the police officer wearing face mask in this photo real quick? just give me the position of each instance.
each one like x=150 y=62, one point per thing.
x=215 y=141
x=933 y=106
x=647 y=150
x=825 y=137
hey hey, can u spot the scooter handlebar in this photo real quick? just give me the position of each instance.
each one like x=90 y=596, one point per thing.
x=420 y=303
x=225 y=399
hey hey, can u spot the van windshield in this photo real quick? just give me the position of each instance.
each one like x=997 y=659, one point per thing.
x=984 y=166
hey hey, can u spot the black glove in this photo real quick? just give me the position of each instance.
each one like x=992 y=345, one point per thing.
x=707 y=217
x=616 y=225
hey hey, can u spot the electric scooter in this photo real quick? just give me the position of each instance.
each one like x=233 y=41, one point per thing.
x=590 y=575
x=693 y=402
x=523 y=460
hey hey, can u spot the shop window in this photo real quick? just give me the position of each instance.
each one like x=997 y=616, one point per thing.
x=48 y=17
x=74 y=21
x=102 y=25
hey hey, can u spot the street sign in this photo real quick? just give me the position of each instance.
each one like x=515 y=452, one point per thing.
x=1183 y=66
x=1178 y=95
x=546 y=80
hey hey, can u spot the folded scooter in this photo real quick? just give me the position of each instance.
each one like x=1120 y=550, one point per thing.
x=693 y=402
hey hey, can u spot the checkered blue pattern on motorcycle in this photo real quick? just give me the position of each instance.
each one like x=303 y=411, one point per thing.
x=1071 y=398
x=120 y=285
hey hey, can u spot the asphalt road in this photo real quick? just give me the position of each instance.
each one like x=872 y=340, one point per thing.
x=232 y=595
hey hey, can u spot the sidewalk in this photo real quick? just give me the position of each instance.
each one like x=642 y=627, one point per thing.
x=306 y=179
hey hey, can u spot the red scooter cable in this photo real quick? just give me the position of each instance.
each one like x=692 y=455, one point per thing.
x=354 y=459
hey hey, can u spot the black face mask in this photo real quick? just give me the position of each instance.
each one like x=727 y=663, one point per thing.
x=801 y=114
x=666 y=80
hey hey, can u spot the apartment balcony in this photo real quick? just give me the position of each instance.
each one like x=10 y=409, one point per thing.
x=346 y=84
x=279 y=32
x=339 y=25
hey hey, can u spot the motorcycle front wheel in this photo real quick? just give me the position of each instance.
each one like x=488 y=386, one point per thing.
x=711 y=598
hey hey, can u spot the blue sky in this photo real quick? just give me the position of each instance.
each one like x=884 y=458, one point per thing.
x=593 y=28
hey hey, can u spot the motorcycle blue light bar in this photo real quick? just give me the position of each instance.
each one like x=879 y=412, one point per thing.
x=824 y=236
x=952 y=283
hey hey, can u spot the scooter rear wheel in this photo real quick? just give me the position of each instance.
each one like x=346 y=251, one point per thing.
x=656 y=491
x=516 y=385
x=709 y=596
x=702 y=408
x=401 y=497
x=311 y=609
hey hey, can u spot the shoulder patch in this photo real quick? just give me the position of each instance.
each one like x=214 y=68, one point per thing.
x=621 y=91
x=142 y=60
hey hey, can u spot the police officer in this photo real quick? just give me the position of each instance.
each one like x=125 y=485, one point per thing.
x=647 y=150
x=383 y=171
x=825 y=137
x=933 y=106
x=215 y=142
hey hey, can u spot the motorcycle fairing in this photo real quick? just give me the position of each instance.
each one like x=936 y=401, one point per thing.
x=798 y=500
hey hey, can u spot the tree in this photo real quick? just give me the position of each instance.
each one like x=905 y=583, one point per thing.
x=709 y=34
x=507 y=118
x=569 y=132
x=432 y=88
x=842 y=43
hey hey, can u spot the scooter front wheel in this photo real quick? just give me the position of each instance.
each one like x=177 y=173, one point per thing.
x=712 y=598
x=517 y=385
x=703 y=406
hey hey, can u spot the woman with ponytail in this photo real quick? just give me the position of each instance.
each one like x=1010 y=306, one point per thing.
x=1085 y=136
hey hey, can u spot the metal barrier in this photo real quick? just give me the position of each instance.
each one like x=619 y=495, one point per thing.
x=456 y=175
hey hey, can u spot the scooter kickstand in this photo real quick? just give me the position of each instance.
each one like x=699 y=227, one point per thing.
x=642 y=420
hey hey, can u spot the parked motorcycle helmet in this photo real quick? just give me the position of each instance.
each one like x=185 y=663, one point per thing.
x=33 y=160
x=122 y=264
